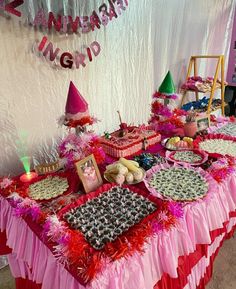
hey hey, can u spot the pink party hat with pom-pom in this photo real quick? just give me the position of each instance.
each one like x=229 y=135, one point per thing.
x=75 y=102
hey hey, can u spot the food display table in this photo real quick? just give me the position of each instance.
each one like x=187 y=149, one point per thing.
x=179 y=258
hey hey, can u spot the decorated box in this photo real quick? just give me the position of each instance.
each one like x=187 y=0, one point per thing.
x=125 y=143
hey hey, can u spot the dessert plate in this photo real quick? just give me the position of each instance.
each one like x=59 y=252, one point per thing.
x=193 y=157
x=164 y=143
x=110 y=180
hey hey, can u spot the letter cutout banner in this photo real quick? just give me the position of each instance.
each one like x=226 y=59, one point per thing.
x=84 y=24
x=11 y=7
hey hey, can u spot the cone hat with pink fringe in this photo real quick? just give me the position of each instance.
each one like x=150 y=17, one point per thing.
x=76 y=110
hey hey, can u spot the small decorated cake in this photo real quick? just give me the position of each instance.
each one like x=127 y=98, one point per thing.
x=132 y=142
x=128 y=140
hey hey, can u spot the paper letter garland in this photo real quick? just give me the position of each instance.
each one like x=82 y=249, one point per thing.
x=67 y=59
x=66 y=24
x=11 y=7
x=81 y=24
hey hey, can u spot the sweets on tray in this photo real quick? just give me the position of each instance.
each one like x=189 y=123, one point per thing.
x=228 y=129
x=48 y=188
x=201 y=105
x=148 y=160
x=179 y=184
x=123 y=143
x=106 y=217
x=197 y=83
x=192 y=157
x=176 y=143
x=217 y=145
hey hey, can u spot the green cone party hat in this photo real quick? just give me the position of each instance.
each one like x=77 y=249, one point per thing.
x=167 y=86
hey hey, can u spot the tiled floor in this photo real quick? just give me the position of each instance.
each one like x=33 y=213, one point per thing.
x=224 y=276
x=6 y=281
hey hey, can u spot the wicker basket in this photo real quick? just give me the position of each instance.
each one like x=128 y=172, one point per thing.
x=47 y=168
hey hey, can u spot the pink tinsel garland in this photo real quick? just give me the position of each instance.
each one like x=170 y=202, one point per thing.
x=74 y=148
x=222 y=168
x=71 y=248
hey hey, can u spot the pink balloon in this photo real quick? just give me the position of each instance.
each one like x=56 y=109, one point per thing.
x=80 y=59
x=95 y=47
x=68 y=63
x=10 y=7
x=40 y=18
x=52 y=54
x=52 y=20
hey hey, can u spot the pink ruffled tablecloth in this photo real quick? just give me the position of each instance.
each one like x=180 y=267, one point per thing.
x=33 y=260
x=199 y=271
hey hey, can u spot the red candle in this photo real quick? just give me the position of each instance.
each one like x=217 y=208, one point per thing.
x=28 y=177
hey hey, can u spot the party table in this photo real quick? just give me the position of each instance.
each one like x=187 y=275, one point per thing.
x=179 y=258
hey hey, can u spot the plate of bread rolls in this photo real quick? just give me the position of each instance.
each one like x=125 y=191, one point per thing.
x=124 y=172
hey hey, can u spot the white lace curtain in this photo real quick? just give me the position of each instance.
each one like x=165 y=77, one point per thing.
x=137 y=49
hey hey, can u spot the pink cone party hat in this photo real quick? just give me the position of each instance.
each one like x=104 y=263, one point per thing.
x=77 y=112
x=75 y=102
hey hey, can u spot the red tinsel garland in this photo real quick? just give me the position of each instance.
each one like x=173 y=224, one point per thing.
x=175 y=121
x=126 y=245
x=87 y=120
x=84 y=261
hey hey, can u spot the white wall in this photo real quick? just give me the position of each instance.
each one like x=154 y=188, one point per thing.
x=138 y=48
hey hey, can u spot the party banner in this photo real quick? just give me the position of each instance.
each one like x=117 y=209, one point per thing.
x=67 y=24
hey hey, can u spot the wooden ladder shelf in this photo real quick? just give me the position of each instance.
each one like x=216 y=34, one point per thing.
x=219 y=68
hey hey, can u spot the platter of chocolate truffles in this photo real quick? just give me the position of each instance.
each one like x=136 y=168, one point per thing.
x=179 y=184
x=104 y=218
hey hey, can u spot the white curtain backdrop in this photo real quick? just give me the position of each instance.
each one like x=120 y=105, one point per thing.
x=137 y=49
